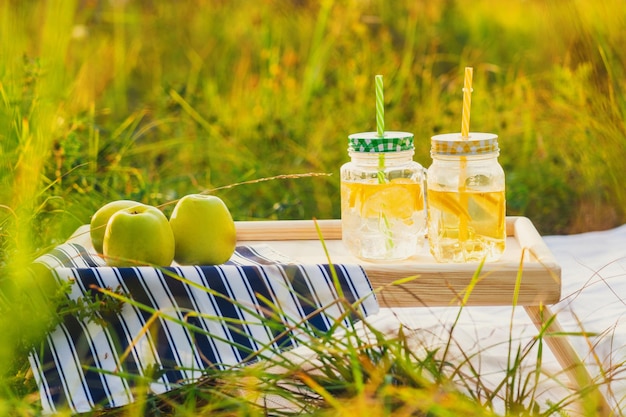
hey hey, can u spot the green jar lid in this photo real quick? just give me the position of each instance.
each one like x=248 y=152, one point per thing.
x=371 y=142
x=455 y=144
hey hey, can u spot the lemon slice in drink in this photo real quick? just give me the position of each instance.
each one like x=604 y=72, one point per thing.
x=491 y=202
x=397 y=199
x=448 y=202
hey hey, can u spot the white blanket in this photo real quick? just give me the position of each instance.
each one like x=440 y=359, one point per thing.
x=593 y=302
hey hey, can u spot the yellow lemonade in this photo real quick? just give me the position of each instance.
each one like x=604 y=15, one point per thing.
x=466 y=226
x=383 y=220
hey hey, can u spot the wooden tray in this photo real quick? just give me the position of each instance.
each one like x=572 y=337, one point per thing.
x=527 y=262
x=527 y=259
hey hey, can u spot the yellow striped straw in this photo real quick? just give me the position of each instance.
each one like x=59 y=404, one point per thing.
x=467 y=102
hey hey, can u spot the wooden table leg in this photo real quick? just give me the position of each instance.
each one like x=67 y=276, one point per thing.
x=546 y=321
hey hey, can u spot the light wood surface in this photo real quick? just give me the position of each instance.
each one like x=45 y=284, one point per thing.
x=435 y=284
x=554 y=335
x=527 y=262
x=526 y=275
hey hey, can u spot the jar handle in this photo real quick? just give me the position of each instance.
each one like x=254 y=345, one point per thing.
x=425 y=189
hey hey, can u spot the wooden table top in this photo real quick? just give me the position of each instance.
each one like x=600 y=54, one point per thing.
x=527 y=273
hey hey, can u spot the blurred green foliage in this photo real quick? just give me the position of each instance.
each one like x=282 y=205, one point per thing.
x=155 y=100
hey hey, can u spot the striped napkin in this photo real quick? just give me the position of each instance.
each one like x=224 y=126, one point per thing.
x=178 y=323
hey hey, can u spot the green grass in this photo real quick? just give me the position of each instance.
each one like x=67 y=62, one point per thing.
x=102 y=100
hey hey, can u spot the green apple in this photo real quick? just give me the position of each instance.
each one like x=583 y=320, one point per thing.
x=204 y=230
x=101 y=217
x=139 y=235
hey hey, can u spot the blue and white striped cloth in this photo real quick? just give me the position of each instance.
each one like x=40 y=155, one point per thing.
x=184 y=321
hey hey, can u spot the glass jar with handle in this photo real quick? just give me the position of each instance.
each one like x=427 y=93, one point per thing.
x=466 y=198
x=383 y=209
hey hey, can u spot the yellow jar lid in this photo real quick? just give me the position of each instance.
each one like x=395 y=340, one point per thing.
x=454 y=144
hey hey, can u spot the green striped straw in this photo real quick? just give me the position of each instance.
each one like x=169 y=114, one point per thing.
x=380 y=130
x=380 y=125
x=380 y=106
